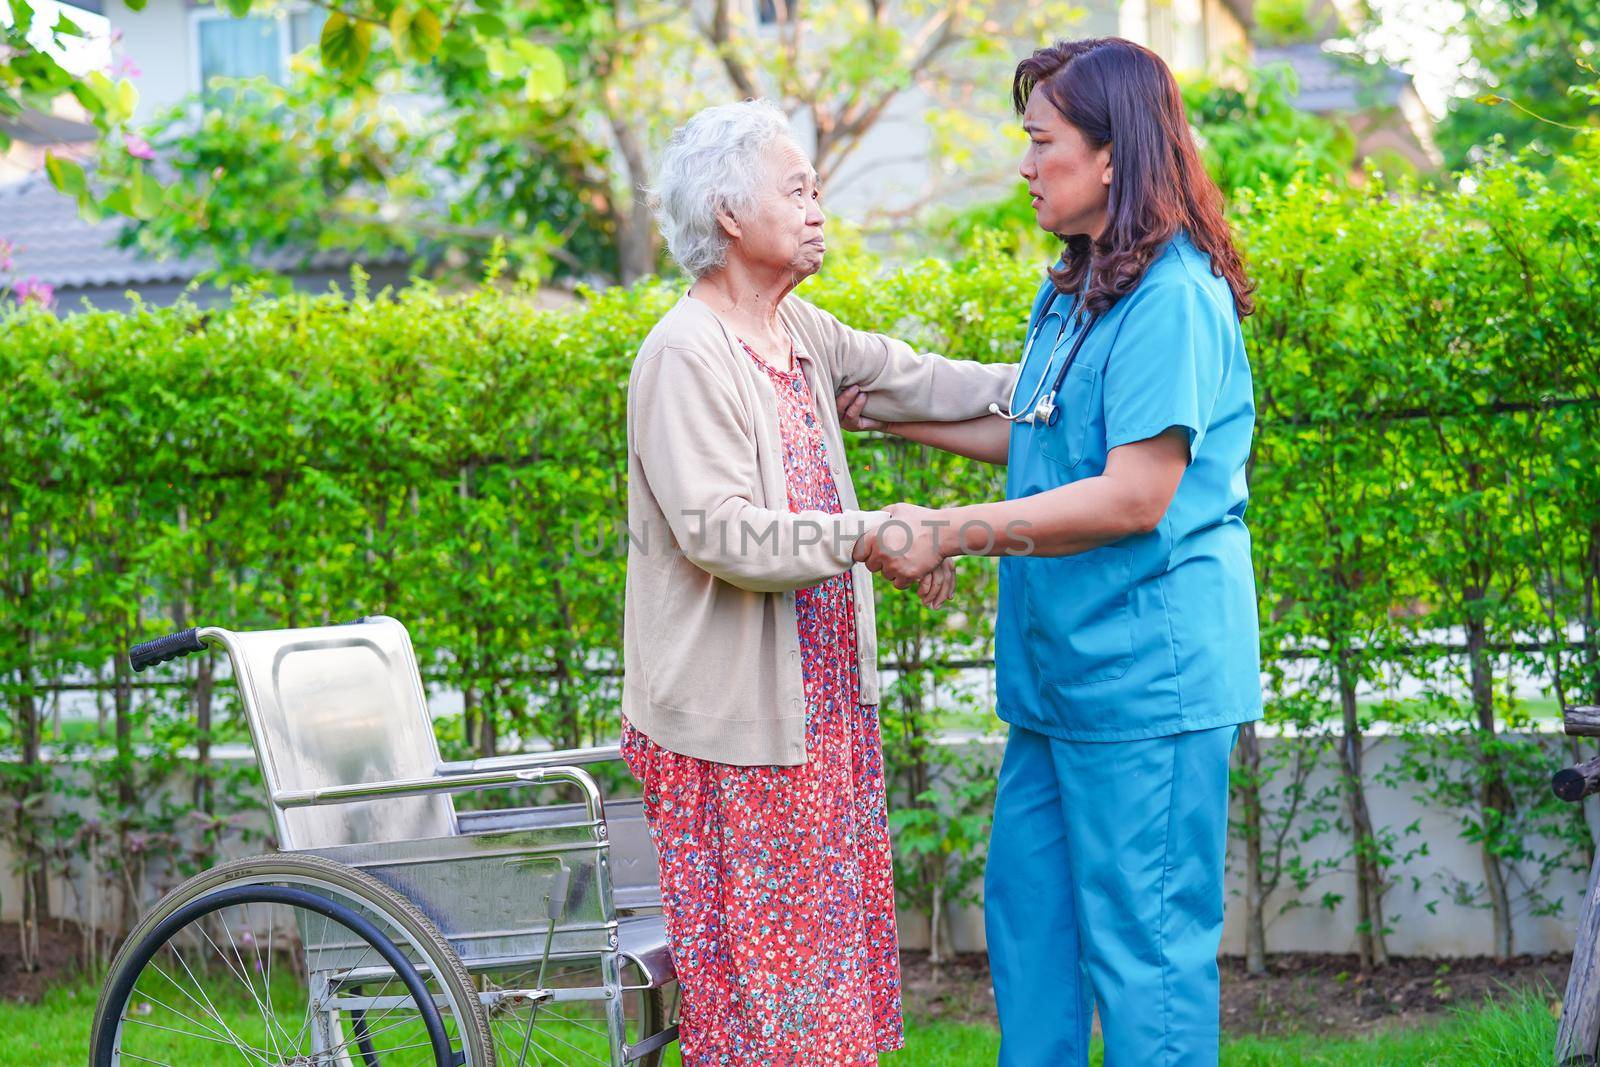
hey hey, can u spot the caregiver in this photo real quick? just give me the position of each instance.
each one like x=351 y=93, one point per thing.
x=1126 y=643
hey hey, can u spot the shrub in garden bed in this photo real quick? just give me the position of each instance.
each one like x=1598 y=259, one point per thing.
x=1429 y=405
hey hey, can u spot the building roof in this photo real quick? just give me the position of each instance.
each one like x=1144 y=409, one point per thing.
x=1330 y=82
x=38 y=128
x=55 y=244
x=1243 y=10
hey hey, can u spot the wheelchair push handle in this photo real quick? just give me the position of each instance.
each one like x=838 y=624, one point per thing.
x=172 y=646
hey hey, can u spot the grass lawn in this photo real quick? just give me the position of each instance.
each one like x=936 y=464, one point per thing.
x=1515 y=1033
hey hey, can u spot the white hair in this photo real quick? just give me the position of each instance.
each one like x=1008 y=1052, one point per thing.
x=715 y=162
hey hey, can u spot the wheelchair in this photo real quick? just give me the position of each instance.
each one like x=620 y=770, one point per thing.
x=390 y=929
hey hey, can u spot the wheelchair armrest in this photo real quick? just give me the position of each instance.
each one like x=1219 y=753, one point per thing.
x=460 y=783
x=520 y=761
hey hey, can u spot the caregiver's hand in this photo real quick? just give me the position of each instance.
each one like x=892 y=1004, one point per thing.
x=852 y=401
x=906 y=548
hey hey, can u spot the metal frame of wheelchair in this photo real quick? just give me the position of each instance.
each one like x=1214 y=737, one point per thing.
x=437 y=900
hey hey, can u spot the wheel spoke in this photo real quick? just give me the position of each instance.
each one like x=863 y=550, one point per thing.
x=369 y=1023
x=523 y=1033
x=570 y=1021
x=552 y=1055
x=226 y=1031
x=184 y=1033
x=550 y=1033
x=266 y=1015
x=394 y=1025
x=186 y=1018
x=215 y=1014
x=124 y=1055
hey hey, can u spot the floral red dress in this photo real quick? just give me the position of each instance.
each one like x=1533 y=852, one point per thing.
x=776 y=882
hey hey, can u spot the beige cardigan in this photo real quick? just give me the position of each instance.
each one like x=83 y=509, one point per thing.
x=710 y=646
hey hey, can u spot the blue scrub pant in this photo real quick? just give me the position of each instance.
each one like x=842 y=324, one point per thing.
x=1104 y=887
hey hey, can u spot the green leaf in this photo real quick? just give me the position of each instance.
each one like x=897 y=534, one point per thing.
x=66 y=176
x=345 y=43
x=21 y=16
x=86 y=96
x=502 y=63
x=546 y=77
x=417 y=33
x=145 y=196
x=237 y=8
x=135 y=5
x=119 y=201
x=66 y=27
x=488 y=24
x=127 y=100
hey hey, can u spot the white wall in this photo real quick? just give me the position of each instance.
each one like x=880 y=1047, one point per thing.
x=1426 y=922
x=1446 y=929
x=159 y=42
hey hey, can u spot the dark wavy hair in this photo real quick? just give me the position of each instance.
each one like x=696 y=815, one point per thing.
x=1119 y=93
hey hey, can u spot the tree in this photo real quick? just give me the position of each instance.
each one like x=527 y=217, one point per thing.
x=446 y=156
x=1253 y=137
x=514 y=43
x=485 y=157
x=1527 y=54
x=841 y=63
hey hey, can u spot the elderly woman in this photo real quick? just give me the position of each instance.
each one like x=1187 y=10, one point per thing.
x=750 y=686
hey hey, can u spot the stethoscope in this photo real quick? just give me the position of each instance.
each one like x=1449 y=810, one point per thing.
x=1042 y=403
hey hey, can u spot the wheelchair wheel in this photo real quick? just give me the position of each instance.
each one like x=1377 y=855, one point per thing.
x=568 y=1033
x=287 y=961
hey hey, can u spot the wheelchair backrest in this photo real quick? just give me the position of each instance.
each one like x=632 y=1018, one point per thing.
x=337 y=706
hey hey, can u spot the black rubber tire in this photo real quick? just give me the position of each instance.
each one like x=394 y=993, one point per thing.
x=652 y=1020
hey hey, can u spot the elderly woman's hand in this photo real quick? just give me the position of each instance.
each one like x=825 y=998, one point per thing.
x=852 y=400
x=938 y=585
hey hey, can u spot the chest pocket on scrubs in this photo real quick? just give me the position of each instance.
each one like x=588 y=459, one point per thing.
x=1079 y=620
x=1067 y=441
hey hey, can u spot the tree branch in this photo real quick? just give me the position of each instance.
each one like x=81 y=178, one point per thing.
x=720 y=34
x=851 y=124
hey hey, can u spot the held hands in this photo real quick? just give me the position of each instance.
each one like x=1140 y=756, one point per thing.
x=935 y=577
x=932 y=574
x=906 y=549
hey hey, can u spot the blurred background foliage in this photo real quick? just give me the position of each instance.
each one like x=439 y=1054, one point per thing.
x=1424 y=476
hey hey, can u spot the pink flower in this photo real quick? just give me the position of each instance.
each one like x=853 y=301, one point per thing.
x=138 y=147
x=32 y=290
x=127 y=68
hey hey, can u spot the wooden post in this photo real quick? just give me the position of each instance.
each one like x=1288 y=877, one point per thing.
x=1583 y=720
x=1578 y=1038
x=1575 y=783
x=1579 y=1033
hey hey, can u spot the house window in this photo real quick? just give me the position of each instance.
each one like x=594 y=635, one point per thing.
x=768 y=11
x=258 y=46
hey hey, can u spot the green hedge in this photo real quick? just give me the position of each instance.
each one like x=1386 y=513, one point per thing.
x=1427 y=463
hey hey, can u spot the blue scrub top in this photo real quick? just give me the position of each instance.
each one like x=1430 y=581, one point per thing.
x=1155 y=634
